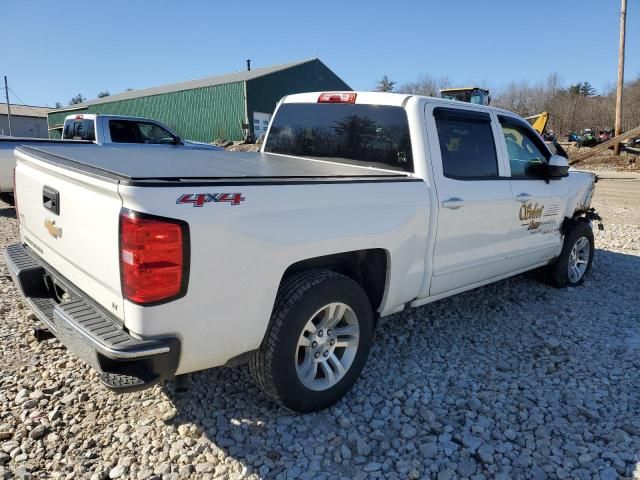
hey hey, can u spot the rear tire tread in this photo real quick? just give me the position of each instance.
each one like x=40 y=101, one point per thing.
x=290 y=292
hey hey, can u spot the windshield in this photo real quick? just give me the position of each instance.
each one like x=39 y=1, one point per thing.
x=477 y=98
x=133 y=131
x=453 y=96
x=372 y=135
x=79 y=129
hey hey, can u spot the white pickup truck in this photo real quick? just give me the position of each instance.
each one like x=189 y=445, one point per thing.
x=150 y=265
x=103 y=130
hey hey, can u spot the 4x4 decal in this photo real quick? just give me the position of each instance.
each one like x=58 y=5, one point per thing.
x=199 y=199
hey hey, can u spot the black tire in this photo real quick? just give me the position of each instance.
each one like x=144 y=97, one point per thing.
x=300 y=296
x=557 y=273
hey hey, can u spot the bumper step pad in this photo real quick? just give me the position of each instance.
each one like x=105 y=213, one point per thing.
x=125 y=363
x=122 y=382
x=105 y=331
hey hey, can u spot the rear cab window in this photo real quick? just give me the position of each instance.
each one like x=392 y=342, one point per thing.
x=355 y=134
x=79 y=129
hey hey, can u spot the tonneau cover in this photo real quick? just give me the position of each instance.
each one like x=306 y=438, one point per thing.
x=148 y=162
x=41 y=140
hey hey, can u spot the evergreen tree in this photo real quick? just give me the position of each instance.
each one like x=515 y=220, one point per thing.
x=385 y=85
x=79 y=98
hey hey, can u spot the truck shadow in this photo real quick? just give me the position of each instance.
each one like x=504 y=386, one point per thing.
x=509 y=360
x=7 y=209
x=8 y=213
x=7 y=198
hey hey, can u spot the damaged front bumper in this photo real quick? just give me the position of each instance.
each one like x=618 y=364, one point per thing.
x=125 y=363
x=592 y=216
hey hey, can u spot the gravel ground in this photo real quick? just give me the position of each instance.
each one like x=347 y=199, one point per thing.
x=513 y=380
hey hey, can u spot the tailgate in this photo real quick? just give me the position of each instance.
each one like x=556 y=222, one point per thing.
x=71 y=221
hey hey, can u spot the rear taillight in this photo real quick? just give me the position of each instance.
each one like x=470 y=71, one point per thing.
x=15 y=195
x=337 y=97
x=154 y=257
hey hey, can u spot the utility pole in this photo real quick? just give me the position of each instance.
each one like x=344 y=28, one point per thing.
x=623 y=24
x=6 y=91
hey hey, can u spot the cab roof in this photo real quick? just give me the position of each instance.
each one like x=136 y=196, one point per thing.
x=463 y=89
x=393 y=99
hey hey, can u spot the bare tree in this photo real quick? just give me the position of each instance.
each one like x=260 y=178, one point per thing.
x=571 y=108
x=425 y=85
x=103 y=93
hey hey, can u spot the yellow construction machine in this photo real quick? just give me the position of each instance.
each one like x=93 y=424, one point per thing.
x=477 y=95
x=539 y=122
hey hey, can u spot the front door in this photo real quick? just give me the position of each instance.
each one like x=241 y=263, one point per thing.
x=538 y=205
x=474 y=200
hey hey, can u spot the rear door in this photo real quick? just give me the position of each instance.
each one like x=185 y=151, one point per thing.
x=474 y=199
x=538 y=204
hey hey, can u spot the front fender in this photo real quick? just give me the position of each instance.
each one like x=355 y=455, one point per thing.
x=580 y=192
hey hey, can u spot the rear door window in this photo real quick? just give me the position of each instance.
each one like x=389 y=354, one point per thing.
x=371 y=135
x=467 y=145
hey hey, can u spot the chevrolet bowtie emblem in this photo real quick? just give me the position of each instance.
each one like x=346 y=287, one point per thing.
x=50 y=225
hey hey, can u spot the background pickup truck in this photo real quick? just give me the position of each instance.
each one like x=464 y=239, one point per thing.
x=102 y=130
x=152 y=264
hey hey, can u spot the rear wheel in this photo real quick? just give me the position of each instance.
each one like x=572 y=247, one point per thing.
x=576 y=258
x=317 y=343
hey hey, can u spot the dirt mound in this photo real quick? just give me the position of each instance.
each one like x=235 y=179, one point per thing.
x=606 y=160
x=244 y=147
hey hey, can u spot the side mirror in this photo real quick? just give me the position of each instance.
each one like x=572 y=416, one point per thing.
x=558 y=167
x=177 y=140
x=536 y=168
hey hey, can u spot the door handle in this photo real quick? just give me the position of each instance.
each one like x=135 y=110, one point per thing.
x=523 y=197
x=453 y=203
x=51 y=199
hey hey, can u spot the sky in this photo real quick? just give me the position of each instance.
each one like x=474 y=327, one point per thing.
x=50 y=51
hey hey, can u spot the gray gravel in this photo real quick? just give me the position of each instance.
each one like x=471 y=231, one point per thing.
x=513 y=380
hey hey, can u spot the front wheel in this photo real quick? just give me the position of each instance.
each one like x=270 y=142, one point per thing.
x=576 y=258
x=317 y=343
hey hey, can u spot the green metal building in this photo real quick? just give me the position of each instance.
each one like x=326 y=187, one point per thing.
x=214 y=107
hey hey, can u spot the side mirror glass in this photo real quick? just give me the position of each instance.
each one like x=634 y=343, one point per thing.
x=558 y=167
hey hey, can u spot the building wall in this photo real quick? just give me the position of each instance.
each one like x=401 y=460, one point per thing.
x=24 y=126
x=203 y=114
x=263 y=93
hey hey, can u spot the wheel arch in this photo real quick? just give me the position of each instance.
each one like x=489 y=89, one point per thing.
x=369 y=268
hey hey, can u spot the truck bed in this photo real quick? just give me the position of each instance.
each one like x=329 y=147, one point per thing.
x=149 y=165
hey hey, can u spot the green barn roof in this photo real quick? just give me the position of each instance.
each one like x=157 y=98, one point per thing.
x=241 y=76
x=231 y=106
